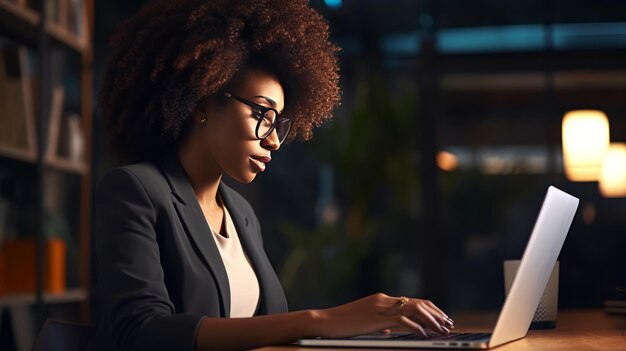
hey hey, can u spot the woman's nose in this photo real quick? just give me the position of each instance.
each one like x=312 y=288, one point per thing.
x=271 y=142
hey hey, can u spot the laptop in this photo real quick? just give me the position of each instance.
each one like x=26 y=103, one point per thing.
x=542 y=250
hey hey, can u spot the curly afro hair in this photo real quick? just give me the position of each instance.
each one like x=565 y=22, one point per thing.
x=173 y=55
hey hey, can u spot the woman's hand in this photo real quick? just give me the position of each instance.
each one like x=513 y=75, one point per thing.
x=371 y=314
x=380 y=312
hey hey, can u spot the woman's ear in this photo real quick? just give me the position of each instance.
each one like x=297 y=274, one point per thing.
x=204 y=110
x=199 y=115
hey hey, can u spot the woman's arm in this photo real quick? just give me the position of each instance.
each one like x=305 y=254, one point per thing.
x=139 y=315
x=367 y=315
x=246 y=333
x=135 y=310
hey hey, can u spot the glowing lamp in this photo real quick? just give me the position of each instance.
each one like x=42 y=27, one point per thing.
x=447 y=161
x=613 y=174
x=585 y=141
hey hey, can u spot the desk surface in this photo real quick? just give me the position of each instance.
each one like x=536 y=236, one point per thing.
x=575 y=330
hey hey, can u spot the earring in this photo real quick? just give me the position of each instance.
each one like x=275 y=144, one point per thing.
x=203 y=120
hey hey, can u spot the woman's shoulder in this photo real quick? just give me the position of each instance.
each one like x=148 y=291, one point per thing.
x=147 y=176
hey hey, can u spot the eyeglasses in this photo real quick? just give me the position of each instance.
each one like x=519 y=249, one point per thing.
x=268 y=119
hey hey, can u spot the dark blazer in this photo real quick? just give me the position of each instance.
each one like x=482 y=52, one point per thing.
x=158 y=270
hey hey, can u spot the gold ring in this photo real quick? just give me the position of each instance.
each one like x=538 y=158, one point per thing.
x=403 y=301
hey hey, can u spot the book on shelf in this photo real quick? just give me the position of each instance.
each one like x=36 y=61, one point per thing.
x=20 y=270
x=75 y=138
x=76 y=17
x=67 y=14
x=70 y=142
x=65 y=135
x=54 y=126
x=17 y=127
x=52 y=11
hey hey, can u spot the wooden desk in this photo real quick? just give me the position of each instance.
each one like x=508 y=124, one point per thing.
x=576 y=330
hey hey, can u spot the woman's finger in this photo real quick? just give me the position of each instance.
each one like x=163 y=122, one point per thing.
x=412 y=326
x=417 y=311
x=429 y=303
x=440 y=317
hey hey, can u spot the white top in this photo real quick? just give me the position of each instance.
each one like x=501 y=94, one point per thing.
x=244 y=285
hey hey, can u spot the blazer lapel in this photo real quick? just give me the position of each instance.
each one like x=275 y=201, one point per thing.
x=268 y=282
x=195 y=223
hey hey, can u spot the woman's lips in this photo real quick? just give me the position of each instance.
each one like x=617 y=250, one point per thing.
x=258 y=162
x=264 y=159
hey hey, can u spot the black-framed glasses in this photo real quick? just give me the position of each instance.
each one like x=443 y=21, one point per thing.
x=268 y=119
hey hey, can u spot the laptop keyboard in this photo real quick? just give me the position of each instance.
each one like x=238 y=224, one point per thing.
x=451 y=336
x=462 y=336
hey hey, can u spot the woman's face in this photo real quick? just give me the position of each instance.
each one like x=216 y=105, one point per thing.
x=228 y=135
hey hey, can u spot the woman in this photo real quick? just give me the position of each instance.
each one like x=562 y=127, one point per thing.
x=193 y=90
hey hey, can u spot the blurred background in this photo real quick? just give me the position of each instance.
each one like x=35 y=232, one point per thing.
x=456 y=117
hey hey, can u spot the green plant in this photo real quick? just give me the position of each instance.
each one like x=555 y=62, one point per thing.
x=374 y=157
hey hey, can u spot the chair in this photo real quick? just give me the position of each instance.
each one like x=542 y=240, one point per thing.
x=57 y=335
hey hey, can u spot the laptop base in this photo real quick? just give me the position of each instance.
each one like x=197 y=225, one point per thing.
x=405 y=340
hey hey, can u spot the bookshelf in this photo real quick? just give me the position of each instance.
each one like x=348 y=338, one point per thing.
x=24 y=23
x=50 y=117
x=19 y=305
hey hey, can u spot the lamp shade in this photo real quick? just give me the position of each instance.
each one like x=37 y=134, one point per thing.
x=613 y=174
x=585 y=141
